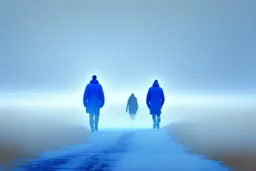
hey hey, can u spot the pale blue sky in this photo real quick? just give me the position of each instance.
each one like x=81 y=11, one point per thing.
x=192 y=46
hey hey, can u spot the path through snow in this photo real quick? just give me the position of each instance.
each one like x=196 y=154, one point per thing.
x=124 y=150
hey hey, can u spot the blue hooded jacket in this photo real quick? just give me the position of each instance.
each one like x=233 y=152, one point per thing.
x=93 y=98
x=155 y=98
x=132 y=105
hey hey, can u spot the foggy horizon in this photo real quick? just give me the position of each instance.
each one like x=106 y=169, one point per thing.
x=199 y=47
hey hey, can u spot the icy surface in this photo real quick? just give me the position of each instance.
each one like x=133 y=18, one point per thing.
x=124 y=150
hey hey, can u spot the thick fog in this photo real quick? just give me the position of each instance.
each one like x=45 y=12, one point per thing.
x=191 y=46
x=202 y=53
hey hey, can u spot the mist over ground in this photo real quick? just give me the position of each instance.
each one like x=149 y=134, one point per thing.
x=29 y=131
x=226 y=134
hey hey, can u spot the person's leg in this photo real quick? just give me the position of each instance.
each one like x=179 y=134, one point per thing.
x=158 y=121
x=130 y=116
x=154 y=121
x=97 y=117
x=91 y=121
x=134 y=115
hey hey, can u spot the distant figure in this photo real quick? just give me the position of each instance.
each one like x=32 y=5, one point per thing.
x=155 y=101
x=93 y=100
x=132 y=106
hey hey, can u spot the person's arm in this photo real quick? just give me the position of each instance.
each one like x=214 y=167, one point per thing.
x=102 y=97
x=85 y=96
x=137 y=106
x=127 y=106
x=162 y=98
x=148 y=99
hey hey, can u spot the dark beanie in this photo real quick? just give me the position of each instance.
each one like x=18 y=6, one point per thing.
x=94 y=77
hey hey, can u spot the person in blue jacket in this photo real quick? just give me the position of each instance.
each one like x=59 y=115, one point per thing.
x=155 y=101
x=93 y=100
x=132 y=106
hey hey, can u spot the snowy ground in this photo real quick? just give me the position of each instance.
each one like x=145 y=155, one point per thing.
x=123 y=150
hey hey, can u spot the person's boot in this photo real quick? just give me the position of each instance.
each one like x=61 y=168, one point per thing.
x=158 y=126
x=96 y=128
x=154 y=126
x=92 y=129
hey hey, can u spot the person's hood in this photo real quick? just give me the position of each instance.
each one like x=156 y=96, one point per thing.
x=156 y=84
x=94 y=81
x=133 y=97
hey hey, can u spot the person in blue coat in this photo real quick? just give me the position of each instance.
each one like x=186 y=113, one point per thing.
x=155 y=101
x=132 y=106
x=93 y=100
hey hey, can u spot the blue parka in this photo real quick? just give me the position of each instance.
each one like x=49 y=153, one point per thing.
x=155 y=98
x=132 y=105
x=93 y=98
